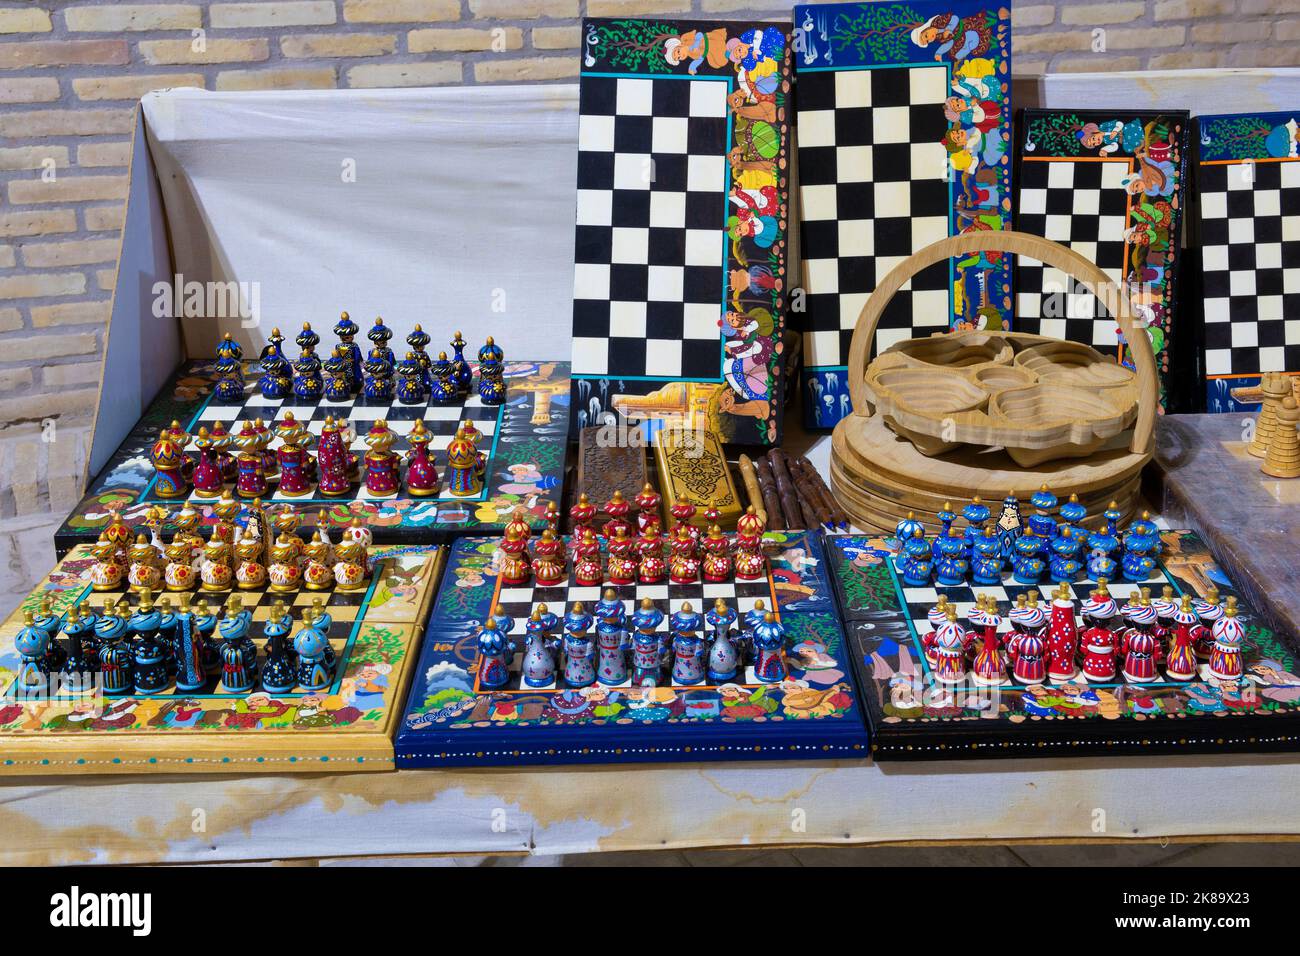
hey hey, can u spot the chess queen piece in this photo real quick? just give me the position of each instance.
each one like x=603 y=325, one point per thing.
x=382 y=464
x=292 y=457
x=1139 y=646
x=251 y=467
x=493 y=670
x=623 y=564
x=421 y=472
x=549 y=560
x=587 y=569
x=689 y=665
x=716 y=566
x=539 y=662
x=410 y=380
x=347 y=331
x=579 y=651
x=647 y=647
x=332 y=459
x=229 y=368
x=32 y=644
x=769 y=650
x=1180 y=663
x=516 y=566
x=143 y=571
x=280 y=669
x=650 y=547
x=581 y=515
x=683 y=562
x=1097 y=639
x=611 y=624
x=950 y=651
x=723 y=659
x=209 y=479
x=168 y=457
x=989 y=666
x=462 y=377
x=464 y=476
x=1283 y=457
x=1062 y=637
x=1225 y=657
x=617 y=508
x=750 y=563
x=338 y=377
x=917 y=566
x=315 y=667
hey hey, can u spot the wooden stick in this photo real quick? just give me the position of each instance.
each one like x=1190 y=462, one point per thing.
x=807 y=479
x=838 y=517
x=771 y=503
x=750 y=479
x=785 y=488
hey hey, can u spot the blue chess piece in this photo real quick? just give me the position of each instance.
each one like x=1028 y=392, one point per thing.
x=307 y=384
x=275 y=380
x=443 y=391
x=951 y=567
x=32 y=645
x=418 y=341
x=986 y=559
x=378 y=388
x=379 y=335
x=461 y=374
x=338 y=386
x=917 y=563
x=410 y=381
x=347 y=330
x=279 y=671
x=314 y=674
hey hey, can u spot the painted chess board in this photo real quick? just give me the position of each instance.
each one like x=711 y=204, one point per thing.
x=1111 y=187
x=451 y=721
x=346 y=727
x=1249 y=187
x=680 y=236
x=524 y=441
x=888 y=166
x=912 y=717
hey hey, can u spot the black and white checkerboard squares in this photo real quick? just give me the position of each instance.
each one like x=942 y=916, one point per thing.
x=1250 y=250
x=652 y=195
x=873 y=190
x=1081 y=204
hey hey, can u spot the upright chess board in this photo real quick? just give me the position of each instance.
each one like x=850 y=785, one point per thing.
x=912 y=717
x=346 y=727
x=523 y=440
x=816 y=712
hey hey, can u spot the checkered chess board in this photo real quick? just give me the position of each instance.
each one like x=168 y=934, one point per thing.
x=874 y=189
x=1250 y=253
x=441 y=421
x=520 y=602
x=1081 y=204
x=652 y=189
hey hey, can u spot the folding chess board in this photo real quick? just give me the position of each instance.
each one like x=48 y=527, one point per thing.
x=452 y=721
x=523 y=440
x=890 y=162
x=679 y=277
x=346 y=727
x=1110 y=186
x=913 y=717
x=1249 y=187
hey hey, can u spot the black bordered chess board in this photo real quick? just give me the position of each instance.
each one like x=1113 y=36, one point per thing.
x=873 y=190
x=1081 y=204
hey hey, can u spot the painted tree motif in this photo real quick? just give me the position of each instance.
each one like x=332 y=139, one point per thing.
x=879 y=32
x=635 y=45
x=1055 y=135
x=1240 y=137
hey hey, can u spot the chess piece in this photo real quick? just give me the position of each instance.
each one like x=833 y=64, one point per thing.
x=689 y=664
x=989 y=666
x=650 y=547
x=283 y=570
x=617 y=508
x=167 y=455
x=188 y=650
x=461 y=375
x=1180 y=663
x=274 y=383
x=1139 y=560
x=683 y=514
x=647 y=646
x=250 y=572
x=292 y=457
x=32 y=644
x=1072 y=513
x=251 y=467
x=115 y=657
x=623 y=564
x=379 y=336
x=229 y=369
x=332 y=459
x=611 y=623
x=1041 y=521
x=716 y=566
x=1139 y=646
x=349 y=566
x=950 y=651
x=549 y=560
x=493 y=670
x=1027 y=564
x=1009 y=526
x=421 y=472
x=148 y=652
x=749 y=560
x=1283 y=457
x=491 y=374
x=382 y=463
x=581 y=515
x=516 y=566
x=986 y=559
x=918 y=564
x=647 y=503
x=464 y=472
x=723 y=659
x=79 y=667
x=937 y=616
x=539 y=662
x=347 y=330
x=1102 y=548
x=221 y=443
x=951 y=566
x=579 y=651
x=587 y=570
x=519 y=523
x=208 y=476
x=1062 y=637
x=1098 y=640
x=1064 y=566
x=684 y=562
x=318 y=571
x=769 y=650
x=144 y=570
x=308 y=386
x=215 y=573
x=552 y=517
x=977 y=516
x=1275 y=388
x=1025 y=651
x=378 y=386
x=279 y=669
x=1225 y=657
x=442 y=390
x=410 y=380
x=315 y=657
x=418 y=342
x=106 y=573
x=1208 y=611
x=338 y=377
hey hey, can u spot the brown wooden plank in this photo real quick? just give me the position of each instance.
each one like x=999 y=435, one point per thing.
x=604 y=470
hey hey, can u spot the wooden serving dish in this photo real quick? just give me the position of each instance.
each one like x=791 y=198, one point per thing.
x=982 y=413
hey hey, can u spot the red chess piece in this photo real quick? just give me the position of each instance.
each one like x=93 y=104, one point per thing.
x=617 y=508
x=623 y=565
x=549 y=560
x=684 y=565
x=650 y=546
x=683 y=513
x=553 y=517
x=1062 y=637
x=1098 y=640
x=519 y=523
x=581 y=515
x=587 y=571
x=515 y=567
x=648 y=516
x=717 y=556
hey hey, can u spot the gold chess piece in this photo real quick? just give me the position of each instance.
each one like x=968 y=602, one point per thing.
x=1275 y=388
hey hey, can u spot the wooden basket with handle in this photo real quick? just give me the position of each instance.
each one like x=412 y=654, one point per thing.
x=880 y=476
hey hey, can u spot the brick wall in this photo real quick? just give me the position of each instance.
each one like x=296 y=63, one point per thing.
x=71 y=71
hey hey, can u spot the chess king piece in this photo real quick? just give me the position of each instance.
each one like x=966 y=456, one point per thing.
x=347 y=331
x=1275 y=388
x=989 y=666
x=410 y=380
x=724 y=659
x=378 y=388
x=1141 y=650
x=1098 y=640
x=168 y=457
x=1062 y=637
x=32 y=645
x=1283 y=457
x=382 y=463
x=1009 y=525
x=338 y=377
x=611 y=623
x=689 y=665
x=1180 y=663
x=332 y=459
x=491 y=374
x=750 y=564
x=949 y=651
x=579 y=651
x=493 y=647
x=769 y=650
x=549 y=560
x=229 y=389
x=208 y=476
x=421 y=472
x=647 y=648
x=1225 y=657
x=279 y=670
x=461 y=375
x=464 y=472
x=918 y=563
x=315 y=660
x=292 y=457
x=539 y=662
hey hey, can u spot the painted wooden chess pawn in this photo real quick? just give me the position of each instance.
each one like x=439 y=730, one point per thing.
x=275 y=382
x=650 y=547
x=579 y=651
x=464 y=466
x=308 y=386
x=410 y=380
x=683 y=514
x=989 y=666
x=144 y=571
x=949 y=649
x=249 y=463
x=516 y=564
x=716 y=567
x=32 y=644
x=382 y=464
x=1098 y=640
x=977 y=516
x=611 y=624
x=684 y=562
x=442 y=390
x=549 y=560
x=1141 y=650
x=378 y=387
x=1283 y=457
x=647 y=503
x=318 y=567
x=379 y=336
x=229 y=389
x=581 y=516
x=750 y=563
x=917 y=566
x=539 y=662
x=623 y=563
x=1225 y=657
x=350 y=566
x=647 y=645
x=618 y=509
x=250 y=558
x=462 y=377
x=689 y=665
x=338 y=377
x=347 y=331
x=167 y=455
x=587 y=569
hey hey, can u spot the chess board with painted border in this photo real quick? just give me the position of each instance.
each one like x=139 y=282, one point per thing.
x=817 y=713
x=347 y=727
x=913 y=718
x=524 y=440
